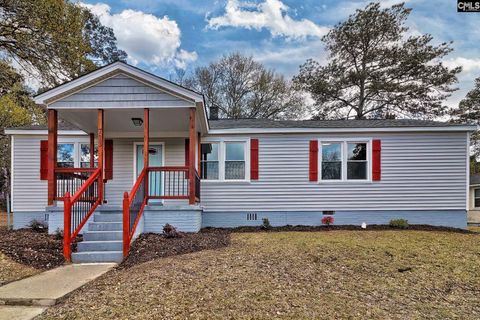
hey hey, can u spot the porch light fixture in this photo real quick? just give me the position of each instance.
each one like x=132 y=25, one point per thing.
x=137 y=122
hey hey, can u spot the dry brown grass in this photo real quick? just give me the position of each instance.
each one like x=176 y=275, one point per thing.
x=296 y=275
x=11 y=270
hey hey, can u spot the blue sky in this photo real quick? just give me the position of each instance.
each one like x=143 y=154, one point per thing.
x=282 y=34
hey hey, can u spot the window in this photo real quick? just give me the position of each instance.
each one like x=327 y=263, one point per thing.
x=65 y=155
x=85 y=155
x=209 y=161
x=331 y=161
x=477 y=198
x=357 y=161
x=234 y=160
x=344 y=161
x=225 y=160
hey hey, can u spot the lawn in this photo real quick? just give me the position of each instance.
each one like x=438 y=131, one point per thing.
x=296 y=275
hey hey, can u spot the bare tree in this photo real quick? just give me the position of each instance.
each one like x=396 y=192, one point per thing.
x=237 y=87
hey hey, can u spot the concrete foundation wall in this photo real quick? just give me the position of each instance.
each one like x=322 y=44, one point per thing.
x=448 y=218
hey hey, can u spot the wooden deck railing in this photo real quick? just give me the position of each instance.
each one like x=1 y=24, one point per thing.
x=78 y=209
x=154 y=183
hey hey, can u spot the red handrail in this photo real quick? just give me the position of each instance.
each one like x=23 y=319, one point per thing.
x=69 y=202
x=127 y=202
x=129 y=226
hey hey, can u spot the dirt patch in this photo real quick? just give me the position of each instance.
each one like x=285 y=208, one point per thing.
x=373 y=227
x=151 y=246
x=35 y=249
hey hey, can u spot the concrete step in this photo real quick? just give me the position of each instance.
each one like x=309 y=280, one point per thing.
x=111 y=245
x=97 y=256
x=107 y=217
x=102 y=235
x=105 y=226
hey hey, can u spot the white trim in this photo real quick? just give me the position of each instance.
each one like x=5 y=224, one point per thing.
x=44 y=132
x=41 y=98
x=12 y=175
x=469 y=128
x=344 y=148
x=221 y=159
x=467 y=174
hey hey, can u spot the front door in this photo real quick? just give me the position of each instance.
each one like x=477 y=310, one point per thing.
x=155 y=159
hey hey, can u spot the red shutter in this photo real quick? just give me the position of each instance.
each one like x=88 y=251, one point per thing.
x=376 y=160
x=313 y=160
x=108 y=159
x=254 y=159
x=44 y=160
x=187 y=152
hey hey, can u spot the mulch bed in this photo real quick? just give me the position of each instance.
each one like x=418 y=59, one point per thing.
x=372 y=227
x=35 y=249
x=150 y=246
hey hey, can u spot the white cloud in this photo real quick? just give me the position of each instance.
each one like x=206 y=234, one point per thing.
x=271 y=15
x=467 y=64
x=145 y=37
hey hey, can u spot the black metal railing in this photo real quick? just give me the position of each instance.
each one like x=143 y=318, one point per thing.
x=70 y=180
x=168 y=183
x=78 y=208
x=197 y=185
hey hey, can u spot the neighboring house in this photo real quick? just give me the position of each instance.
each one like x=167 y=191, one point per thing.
x=474 y=208
x=220 y=173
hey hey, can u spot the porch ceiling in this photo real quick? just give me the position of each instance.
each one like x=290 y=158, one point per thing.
x=118 y=122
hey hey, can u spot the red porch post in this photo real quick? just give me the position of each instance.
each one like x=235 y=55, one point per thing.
x=146 y=144
x=92 y=150
x=52 y=154
x=101 y=144
x=191 y=162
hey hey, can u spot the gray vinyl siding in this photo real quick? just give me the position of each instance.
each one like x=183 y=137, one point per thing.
x=420 y=171
x=123 y=165
x=119 y=92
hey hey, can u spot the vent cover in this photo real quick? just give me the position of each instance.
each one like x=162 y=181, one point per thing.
x=328 y=212
x=251 y=216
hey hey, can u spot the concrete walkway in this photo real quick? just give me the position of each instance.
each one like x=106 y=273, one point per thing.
x=44 y=289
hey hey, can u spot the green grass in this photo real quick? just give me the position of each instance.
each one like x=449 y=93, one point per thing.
x=296 y=275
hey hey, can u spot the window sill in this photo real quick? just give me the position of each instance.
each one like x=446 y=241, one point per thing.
x=226 y=181
x=345 y=182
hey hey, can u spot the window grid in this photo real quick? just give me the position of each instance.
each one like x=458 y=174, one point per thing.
x=344 y=160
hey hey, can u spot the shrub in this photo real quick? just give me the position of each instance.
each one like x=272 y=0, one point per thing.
x=327 y=220
x=58 y=234
x=399 y=223
x=171 y=232
x=38 y=226
x=266 y=224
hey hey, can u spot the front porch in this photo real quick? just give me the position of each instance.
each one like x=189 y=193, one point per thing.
x=142 y=152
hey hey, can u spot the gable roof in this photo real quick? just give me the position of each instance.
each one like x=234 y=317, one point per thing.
x=111 y=70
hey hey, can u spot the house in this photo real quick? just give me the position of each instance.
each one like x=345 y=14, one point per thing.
x=196 y=172
x=474 y=196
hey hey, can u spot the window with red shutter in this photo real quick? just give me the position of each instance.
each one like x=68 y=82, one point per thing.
x=44 y=160
x=254 y=159
x=376 y=160
x=313 y=168
x=187 y=152
x=108 y=159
